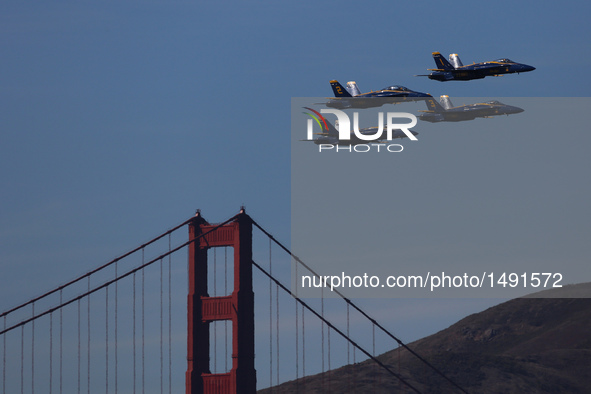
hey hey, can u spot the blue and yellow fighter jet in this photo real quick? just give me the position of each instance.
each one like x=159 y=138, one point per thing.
x=351 y=97
x=446 y=112
x=454 y=70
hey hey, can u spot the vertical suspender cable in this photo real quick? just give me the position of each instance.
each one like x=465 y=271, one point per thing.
x=379 y=374
x=169 y=317
x=143 y=326
x=303 y=345
x=88 y=346
x=107 y=340
x=33 y=352
x=277 y=320
x=50 y=352
x=322 y=330
x=61 y=341
x=270 y=324
x=373 y=353
x=354 y=374
x=297 y=344
x=22 y=359
x=88 y=340
x=116 y=321
x=328 y=371
x=348 y=336
x=277 y=335
x=79 y=346
x=133 y=312
x=296 y=304
x=4 y=359
x=161 y=328
x=348 y=352
x=399 y=364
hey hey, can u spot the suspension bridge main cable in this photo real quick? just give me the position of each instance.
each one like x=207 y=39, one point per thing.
x=372 y=320
x=330 y=325
x=89 y=273
x=100 y=287
x=62 y=304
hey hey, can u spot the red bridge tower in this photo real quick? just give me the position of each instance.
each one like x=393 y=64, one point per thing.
x=237 y=307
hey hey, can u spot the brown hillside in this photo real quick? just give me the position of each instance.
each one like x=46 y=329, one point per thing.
x=526 y=345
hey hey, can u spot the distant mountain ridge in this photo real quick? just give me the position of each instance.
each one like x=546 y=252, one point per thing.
x=525 y=345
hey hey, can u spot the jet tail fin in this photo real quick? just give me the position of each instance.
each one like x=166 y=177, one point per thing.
x=445 y=102
x=353 y=89
x=332 y=131
x=455 y=61
x=433 y=105
x=338 y=89
x=441 y=62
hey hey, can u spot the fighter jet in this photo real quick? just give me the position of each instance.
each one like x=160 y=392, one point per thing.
x=330 y=135
x=446 y=112
x=454 y=70
x=351 y=96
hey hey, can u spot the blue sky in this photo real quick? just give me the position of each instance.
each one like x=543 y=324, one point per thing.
x=119 y=119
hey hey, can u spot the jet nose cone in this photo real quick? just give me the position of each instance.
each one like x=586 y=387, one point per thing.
x=515 y=110
x=528 y=68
